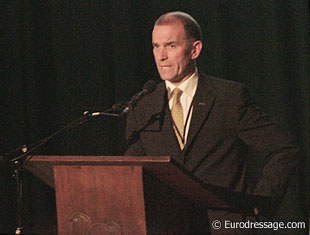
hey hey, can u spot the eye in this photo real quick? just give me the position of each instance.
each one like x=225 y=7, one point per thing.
x=155 y=46
x=173 y=46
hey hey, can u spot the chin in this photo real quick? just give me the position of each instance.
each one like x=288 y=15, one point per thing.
x=168 y=79
x=173 y=80
x=165 y=78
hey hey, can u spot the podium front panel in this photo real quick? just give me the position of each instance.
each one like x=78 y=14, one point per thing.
x=100 y=199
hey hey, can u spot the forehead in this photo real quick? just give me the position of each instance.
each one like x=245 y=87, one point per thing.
x=168 y=32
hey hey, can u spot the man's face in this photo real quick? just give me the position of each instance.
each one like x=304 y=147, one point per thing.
x=174 y=54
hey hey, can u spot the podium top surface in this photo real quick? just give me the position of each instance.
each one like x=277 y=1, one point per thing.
x=99 y=160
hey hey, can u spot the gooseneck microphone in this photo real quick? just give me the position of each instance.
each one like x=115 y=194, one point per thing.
x=148 y=88
x=122 y=108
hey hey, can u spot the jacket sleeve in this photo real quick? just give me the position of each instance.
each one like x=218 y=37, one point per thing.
x=272 y=143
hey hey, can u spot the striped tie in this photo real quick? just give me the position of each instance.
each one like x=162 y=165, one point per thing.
x=177 y=116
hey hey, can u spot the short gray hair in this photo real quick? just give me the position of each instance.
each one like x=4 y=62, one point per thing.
x=191 y=27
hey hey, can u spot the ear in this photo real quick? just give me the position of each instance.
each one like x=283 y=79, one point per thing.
x=196 y=49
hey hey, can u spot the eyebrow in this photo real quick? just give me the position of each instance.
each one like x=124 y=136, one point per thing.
x=171 y=42
x=165 y=43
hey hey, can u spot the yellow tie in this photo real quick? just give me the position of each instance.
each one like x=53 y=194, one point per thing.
x=177 y=116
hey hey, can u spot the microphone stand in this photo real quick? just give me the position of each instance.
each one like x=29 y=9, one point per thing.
x=23 y=151
x=117 y=110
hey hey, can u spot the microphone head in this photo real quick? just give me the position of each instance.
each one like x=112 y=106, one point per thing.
x=149 y=86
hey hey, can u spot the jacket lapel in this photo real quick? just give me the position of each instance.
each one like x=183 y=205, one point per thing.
x=202 y=105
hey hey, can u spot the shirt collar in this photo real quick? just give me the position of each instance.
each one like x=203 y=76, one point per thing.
x=188 y=87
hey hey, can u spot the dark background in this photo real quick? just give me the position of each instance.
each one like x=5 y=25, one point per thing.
x=60 y=58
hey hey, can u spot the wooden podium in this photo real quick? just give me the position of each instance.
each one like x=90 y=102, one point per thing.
x=130 y=195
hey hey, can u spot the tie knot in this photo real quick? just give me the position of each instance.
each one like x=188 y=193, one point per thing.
x=177 y=93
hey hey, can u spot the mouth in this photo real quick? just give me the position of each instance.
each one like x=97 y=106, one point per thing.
x=165 y=66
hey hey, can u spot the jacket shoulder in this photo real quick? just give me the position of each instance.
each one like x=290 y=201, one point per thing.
x=220 y=83
x=222 y=87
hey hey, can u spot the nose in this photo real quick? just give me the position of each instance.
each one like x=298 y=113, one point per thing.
x=162 y=54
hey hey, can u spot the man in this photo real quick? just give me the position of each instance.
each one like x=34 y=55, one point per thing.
x=206 y=124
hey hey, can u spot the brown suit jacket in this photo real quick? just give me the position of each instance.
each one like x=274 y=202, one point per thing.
x=225 y=124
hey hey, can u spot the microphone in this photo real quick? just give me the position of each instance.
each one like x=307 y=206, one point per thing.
x=148 y=88
x=121 y=108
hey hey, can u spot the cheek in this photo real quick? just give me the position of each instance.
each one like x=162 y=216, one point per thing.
x=183 y=62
